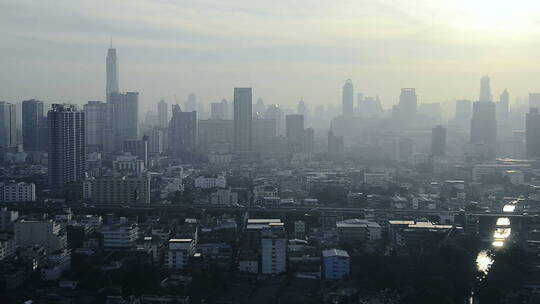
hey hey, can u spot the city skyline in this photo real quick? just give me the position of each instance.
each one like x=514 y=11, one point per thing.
x=170 y=58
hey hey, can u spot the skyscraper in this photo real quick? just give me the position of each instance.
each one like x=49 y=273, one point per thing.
x=191 y=103
x=532 y=133
x=66 y=145
x=112 y=73
x=182 y=133
x=347 y=99
x=502 y=106
x=294 y=130
x=124 y=109
x=438 y=141
x=259 y=107
x=34 y=126
x=408 y=102
x=163 y=113
x=534 y=100
x=274 y=112
x=484 y=125
x=217 y=111
x=242 y=119
x=485 y=90
x=95 y=120
x=8 y=125
x=463 y=112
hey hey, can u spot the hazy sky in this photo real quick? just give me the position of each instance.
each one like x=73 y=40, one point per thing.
x=55 y=49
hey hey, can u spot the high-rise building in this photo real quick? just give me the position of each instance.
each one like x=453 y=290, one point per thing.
x=218 y=110
x=534 y=100
x=96 y=123
x=163 y=114
x=335 y=144
x=408 y=102
x=347 y=99
x=485 y=90
x=242 y=119
x=484 y=125
x=532 y=133
x=66 y=145
x=275 y=113
x=138 y=147
x=273 y=249
x=294 y=130
x=438 y=141
x=463 y=113
x=112 y=73
x=34 y=126
x=124 y=116
x=215 y=132
x=502 y=106
x=8 y=125
x=259 y=107
x=191 y=103
x=182 y=133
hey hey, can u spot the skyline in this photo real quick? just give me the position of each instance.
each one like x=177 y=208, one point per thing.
x=167 y=49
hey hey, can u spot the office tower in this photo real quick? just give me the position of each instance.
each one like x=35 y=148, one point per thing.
x=226 y=109
x=191 y=103
x=485 y=90
x=242 y=119
x=138 y=147
x=347 y=99
x=273 y=249
x=484 y=124
x=112 y=73
x=463 y=112
x=308 y=141
x=532 y=133
x=163 y=114
x=34 y=126
x=213 y=133
x=157 y=140
x=502 y=106
x=275 y=113
x=336 y=144
x=217 y=110
x=408 y=103
x=294 y=130
x=8 y=125
x=66 y=145
x=438 y=141
x=124 y=116
x=201 y=111
x=534 y=100
x=95 y=119
x=182 y=133
x=259 y=107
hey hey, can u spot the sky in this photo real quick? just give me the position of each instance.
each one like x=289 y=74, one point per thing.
x=54 y=50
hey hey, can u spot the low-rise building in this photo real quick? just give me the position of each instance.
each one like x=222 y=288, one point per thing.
x=217 y=181
x=357 y=230
x=179 y=252
x=336 y=264
x=7 y=246
x=121 y=190
x=46 y=233
x=17 y=192
x=120 y=236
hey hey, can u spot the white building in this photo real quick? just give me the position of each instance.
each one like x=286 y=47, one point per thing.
x=17 y=192
x=218 y=181
x=120 y=237
x=273 y=249
x=46 y=233
x=179 y=253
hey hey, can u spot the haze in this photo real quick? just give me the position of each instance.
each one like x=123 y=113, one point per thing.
x=285 y=50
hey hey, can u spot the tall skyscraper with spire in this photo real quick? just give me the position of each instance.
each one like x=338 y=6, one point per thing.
x=112 y=73
x=347 y=98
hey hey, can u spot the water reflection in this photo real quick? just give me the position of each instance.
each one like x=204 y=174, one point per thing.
x=483 y=261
